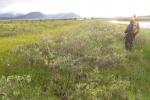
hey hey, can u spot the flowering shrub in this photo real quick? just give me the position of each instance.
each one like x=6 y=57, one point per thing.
x=69 y=56
x=9 y=86
x=98 y=87
x=91 y=46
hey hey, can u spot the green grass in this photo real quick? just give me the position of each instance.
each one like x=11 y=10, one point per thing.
x=69 y=59
x=27 y=32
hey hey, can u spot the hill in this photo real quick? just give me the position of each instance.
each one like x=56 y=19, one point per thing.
x=39 y=15
x=32 y=15
x=63 y=16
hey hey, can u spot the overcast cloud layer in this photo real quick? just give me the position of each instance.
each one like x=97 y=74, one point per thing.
x=88 y=8
x=5 y=3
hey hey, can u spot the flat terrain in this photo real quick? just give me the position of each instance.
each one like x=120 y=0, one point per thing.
x=72 y=60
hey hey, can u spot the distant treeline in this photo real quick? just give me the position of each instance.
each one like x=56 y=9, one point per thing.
x=139 y=18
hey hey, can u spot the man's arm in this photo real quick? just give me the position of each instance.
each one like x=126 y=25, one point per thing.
x=128 y=29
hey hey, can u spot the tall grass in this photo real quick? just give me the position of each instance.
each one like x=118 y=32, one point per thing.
x=83 y=60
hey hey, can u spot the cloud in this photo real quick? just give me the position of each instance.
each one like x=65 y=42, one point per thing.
x=88 y=8
x=5 y=3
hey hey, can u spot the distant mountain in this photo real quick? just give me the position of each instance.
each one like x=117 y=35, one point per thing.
x=32 y=15
x=39 y=15
x=7 y=15
x=63 y=16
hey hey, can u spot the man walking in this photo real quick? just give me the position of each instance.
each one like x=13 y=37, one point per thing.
x=130 y=33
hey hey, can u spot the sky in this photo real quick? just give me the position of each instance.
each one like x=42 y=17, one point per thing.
x=84 y=8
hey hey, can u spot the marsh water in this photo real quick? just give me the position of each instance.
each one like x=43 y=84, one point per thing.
x=143 y=24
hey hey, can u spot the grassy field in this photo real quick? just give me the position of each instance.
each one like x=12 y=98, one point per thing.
x=72 y=60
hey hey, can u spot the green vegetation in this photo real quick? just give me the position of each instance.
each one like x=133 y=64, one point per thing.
x=72 y=60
